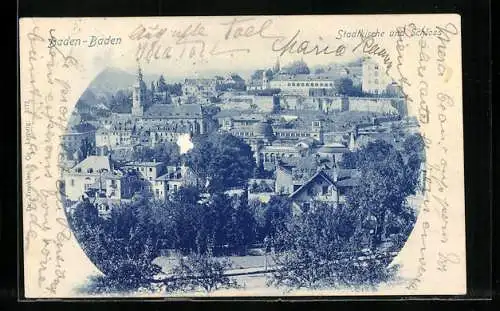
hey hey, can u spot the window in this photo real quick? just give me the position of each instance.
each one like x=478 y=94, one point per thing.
x=150 y=169
x=324 y=190
x=72 y=182
x=175 y=187
x=157 y=192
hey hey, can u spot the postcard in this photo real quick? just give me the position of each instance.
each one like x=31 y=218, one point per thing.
x=242 y=156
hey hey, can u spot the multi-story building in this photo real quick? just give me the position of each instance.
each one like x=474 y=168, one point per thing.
x=301 y=84
x=113 y=138
x=147 y=171
x=375 y=78
x=200 y=87
x=97 y=173
x=73 y=139
x=174 y=178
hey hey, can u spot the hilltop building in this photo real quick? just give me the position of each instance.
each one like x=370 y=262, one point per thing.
x=375 y=79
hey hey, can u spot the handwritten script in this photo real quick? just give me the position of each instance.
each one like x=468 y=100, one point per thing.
x=45 y=113
x=433 y=108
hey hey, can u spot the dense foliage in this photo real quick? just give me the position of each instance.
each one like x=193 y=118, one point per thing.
x=166 y=152
x=223 y=161
x=322 y=247
x=353 y=243
x=124 y=245
x=297 y=67
x=316 y=248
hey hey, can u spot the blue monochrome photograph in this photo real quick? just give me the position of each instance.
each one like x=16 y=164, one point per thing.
x=243 y=157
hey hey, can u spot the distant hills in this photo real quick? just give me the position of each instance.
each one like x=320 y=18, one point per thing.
x=111 y=80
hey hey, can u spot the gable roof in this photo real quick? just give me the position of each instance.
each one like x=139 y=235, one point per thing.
x=96 y=163
x=318 y=175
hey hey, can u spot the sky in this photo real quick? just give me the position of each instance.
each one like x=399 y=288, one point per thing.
x=257 y=49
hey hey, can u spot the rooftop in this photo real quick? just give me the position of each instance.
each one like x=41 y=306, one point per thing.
x=148 y=164
x=306 y=77
x=93 y=163
x=174 y=111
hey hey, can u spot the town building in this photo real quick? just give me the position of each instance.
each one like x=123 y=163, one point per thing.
x=201 y=87
x=174 y=178
x=146 y=171
x=97 y=173
x=73 y=138
x=324 y=187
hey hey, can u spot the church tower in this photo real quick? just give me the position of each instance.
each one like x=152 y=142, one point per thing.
x=265 y=80
x=139 y=95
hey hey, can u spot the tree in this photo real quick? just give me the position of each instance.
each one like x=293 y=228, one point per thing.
x=343 y=86
x=297 y=67
x=243 y=225
x=165 y=152
x=143 y=154
x=414 y=144
x=322 y=248
x=319 y=70
x=200 y=271
x=277 y=214
x=269 y=74
x=121 y=102
x=174 y=89
x=414 y=151
x=162 y=85
x=223 y=160
x=349 y=160
x=257 y=74
x=384 y=185
x=120 y=247
x=86 y=148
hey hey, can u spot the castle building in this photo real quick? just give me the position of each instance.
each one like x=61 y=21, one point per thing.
x=375 y=79
x=301 y=84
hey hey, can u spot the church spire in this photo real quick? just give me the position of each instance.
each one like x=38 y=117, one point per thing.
x=139 y=72
x=277 y=65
